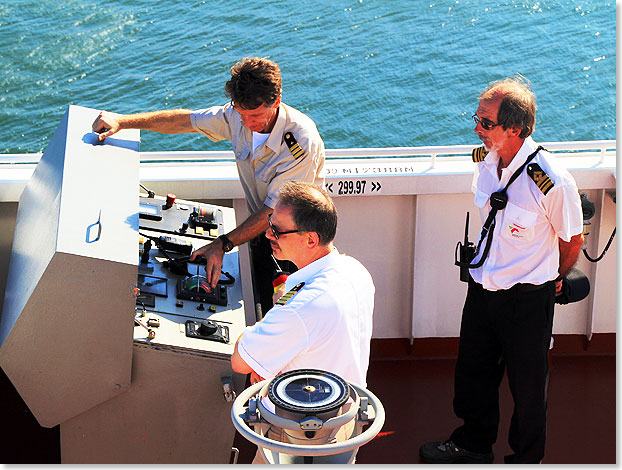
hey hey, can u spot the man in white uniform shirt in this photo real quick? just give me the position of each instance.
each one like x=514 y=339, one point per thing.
x=272 y=143
x=324 y=321
x=507 y=318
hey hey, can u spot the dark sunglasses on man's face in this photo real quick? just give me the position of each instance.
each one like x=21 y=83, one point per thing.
x=485 y=123
x=276 y=232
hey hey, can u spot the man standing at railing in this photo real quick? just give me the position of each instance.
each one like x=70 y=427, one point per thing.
x=273 y=143
x=507 y=320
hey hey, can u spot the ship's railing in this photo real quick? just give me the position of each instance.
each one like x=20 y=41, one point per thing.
x=600 y=148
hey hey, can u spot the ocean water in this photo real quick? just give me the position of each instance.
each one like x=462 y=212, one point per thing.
x=370 y=73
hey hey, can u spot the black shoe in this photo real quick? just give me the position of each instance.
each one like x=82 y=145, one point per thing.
x=448 y=452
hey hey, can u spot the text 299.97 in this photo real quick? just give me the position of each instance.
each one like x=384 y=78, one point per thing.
x=352 y=187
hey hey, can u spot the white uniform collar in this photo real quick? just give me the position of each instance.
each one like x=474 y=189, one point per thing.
x=311 y=269
x=528 y=147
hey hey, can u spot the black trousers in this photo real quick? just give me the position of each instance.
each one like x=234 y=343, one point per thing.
x=509 y=329
x=264 y=270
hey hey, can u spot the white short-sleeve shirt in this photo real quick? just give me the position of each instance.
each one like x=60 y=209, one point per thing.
x=525 y=246
x=326 y=325
x=264 y=170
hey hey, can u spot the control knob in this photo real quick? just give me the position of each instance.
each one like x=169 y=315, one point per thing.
x=207 y=328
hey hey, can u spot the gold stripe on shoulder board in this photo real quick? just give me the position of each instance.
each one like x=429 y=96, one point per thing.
x=283 y=300
x=479 y=154
x=291 y=142
x=539 y=177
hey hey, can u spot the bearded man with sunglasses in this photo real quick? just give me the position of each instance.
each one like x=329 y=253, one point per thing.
x=507 y=318
x=272 y=142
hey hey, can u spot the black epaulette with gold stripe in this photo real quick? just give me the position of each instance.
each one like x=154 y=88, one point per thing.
x=291 y=142
x=479 y=154
x=283 y=300
x=539 y=177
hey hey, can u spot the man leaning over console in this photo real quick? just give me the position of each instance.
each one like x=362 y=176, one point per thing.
x=272 y=142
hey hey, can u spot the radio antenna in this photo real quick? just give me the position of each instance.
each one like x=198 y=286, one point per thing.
x=276 y=264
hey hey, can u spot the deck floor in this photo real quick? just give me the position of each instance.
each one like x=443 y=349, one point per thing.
x=417 y=395
x=581 y=426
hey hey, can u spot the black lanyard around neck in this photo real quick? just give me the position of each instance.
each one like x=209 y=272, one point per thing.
x=498 y=201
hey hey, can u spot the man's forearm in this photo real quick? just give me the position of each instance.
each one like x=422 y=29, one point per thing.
x=569 y=253
x=237 y=363
x=255 y=225
x=173 y=121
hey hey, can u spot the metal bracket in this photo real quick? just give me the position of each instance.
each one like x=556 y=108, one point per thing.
x=236 y=453
x=251 y=416
x=228 y=392
x=363 y=415
x=311 y=424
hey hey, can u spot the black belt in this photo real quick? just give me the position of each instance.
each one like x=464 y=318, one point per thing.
x=520 y=287
x=529 y=287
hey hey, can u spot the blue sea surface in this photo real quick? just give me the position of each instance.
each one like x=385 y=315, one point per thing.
x=370 y=73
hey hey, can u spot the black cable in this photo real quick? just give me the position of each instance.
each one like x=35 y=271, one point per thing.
x=595 y=260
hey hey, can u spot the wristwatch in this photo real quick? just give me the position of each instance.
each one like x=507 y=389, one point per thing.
x=227 y=245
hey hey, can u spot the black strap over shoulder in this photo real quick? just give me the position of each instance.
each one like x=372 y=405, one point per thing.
x=498 y=201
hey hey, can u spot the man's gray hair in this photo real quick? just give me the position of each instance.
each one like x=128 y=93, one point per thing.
x=312 y=209
x=518 y=103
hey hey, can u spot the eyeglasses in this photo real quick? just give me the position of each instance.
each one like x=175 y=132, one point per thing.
x=276 y=232
x=485 y=123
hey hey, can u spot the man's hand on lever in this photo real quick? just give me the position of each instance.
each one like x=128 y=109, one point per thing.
x=255 y=225
x=213 y=253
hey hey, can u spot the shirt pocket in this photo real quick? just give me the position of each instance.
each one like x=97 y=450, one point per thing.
x=265 y=168
x=241 y=152
x=518 y=224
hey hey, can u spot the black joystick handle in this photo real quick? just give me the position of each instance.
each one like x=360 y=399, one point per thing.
x=208 y=327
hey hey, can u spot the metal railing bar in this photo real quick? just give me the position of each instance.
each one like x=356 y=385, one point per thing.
x=603 y=147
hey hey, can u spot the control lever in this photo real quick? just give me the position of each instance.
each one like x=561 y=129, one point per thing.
x=150 y=193
x=144 y=258
x=150 y=333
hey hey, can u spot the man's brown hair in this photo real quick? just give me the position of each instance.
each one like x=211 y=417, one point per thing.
x=254 y=81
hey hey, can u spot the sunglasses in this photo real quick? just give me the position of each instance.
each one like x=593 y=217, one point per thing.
x=276 y=232
x=486 y=124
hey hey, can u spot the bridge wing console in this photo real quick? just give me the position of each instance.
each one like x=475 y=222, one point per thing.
x=107 y=328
